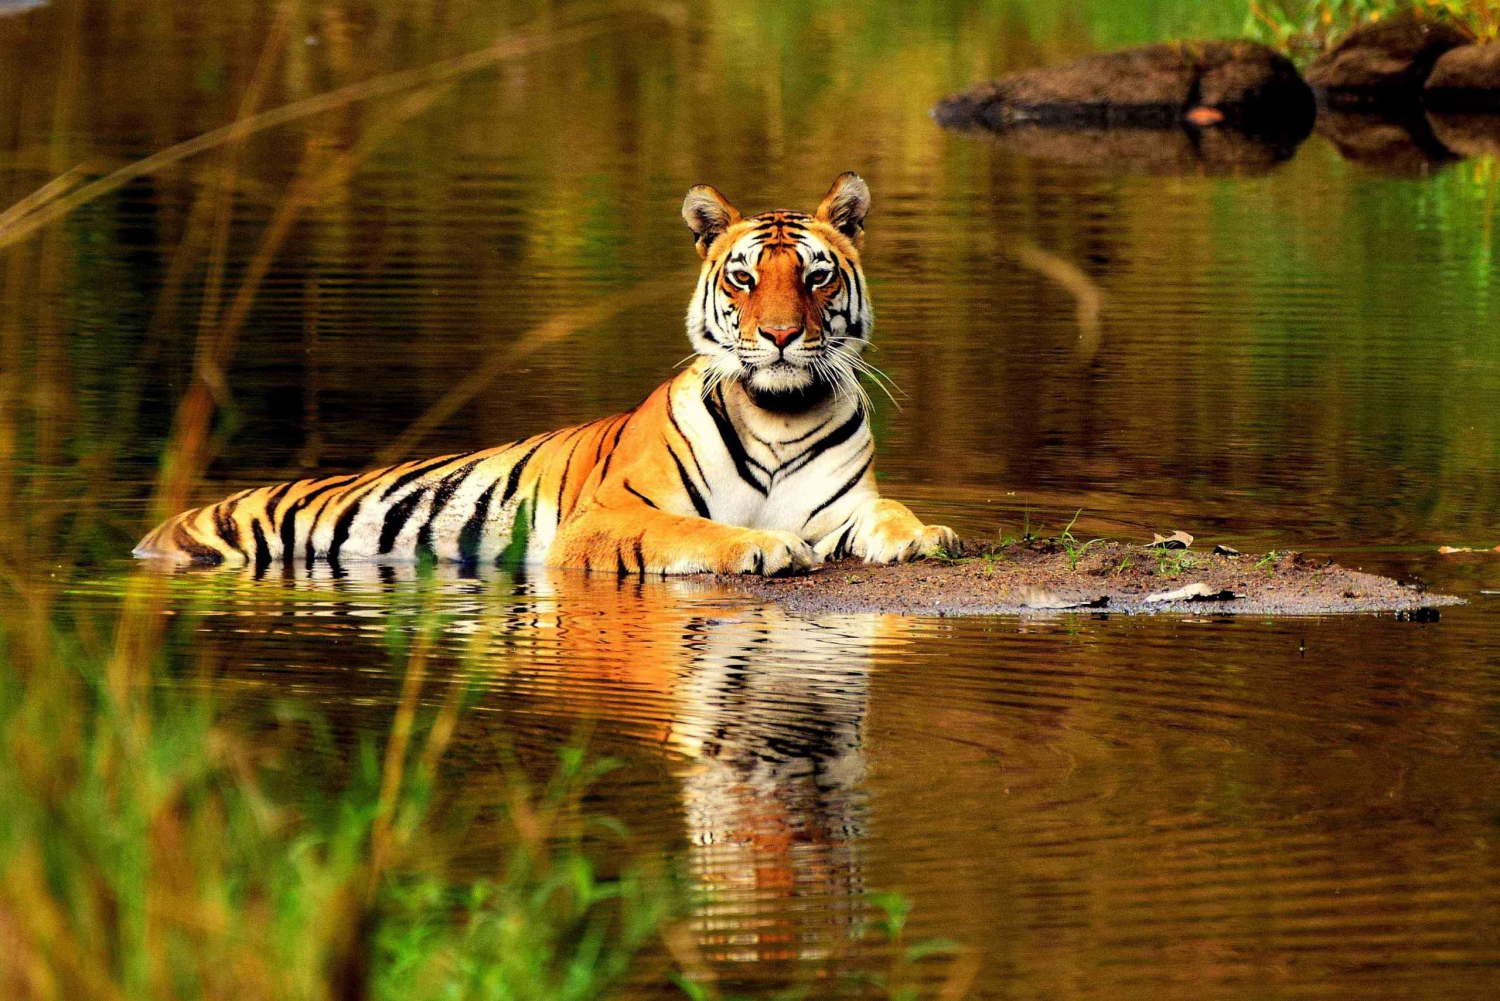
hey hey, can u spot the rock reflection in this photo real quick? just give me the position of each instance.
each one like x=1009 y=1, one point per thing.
x=1155 y=151
x=1403 y=145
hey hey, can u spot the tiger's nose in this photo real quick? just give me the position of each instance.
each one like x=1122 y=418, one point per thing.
x=781 y=336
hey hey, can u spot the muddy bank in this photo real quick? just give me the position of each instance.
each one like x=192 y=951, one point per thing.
x=1043 y=577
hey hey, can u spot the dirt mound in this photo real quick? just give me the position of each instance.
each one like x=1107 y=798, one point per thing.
x=1050 y=576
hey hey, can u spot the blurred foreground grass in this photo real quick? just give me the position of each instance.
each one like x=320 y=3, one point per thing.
x=149 y=850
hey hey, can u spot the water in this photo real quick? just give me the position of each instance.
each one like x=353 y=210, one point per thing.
x=1305 y=357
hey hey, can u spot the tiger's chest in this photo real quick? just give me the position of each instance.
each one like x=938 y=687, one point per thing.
x=784 y=486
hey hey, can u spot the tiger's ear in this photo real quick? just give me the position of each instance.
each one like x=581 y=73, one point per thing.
x=707 y=214
x=845 y=206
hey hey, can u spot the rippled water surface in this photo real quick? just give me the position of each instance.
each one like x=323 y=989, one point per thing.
x=1303 y=354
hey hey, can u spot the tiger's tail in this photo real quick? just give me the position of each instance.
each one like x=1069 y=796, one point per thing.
x=238 y=529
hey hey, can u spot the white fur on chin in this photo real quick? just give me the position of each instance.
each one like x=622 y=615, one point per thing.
x=780 y=379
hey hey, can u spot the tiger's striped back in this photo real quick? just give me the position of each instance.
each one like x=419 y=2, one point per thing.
x=502 y=503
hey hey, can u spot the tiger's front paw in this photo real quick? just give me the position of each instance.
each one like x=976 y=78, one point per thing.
x=904 y=543
x=885 y=531
x=770 y=553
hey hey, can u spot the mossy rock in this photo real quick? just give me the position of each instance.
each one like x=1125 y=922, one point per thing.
x=1383 y=64
x=1465 y=79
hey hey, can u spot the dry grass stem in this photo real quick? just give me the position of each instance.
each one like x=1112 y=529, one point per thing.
x=538 y=39
x=556 y=329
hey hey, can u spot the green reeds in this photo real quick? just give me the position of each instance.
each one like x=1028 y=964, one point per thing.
x=148 y=849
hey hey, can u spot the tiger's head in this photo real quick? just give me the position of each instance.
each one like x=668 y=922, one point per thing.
x=781 y=305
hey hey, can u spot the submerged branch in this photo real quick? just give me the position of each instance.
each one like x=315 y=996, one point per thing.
x=1085 y=291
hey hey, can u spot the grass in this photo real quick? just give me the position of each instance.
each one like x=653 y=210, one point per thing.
x=1172 y=562
x=1308 y=27
x=1073 y=548
x=150 y=850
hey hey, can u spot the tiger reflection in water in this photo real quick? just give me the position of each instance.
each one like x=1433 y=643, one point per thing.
x=763 y=711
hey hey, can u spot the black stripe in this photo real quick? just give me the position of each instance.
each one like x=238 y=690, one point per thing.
x=472 y=533
x=197 y=550
x=315 y=514
x=262 y=547
x=619 y=433
x=620 y=568
x=842 y=549
x=803 y=437
x=346 y=521
x=599 y=445
x=832 y=439
x=640 y=554
x=562 y=481
x=848 y=486
x=859 y=288
x=687 y=483
x=419 y=470
x=288 y=529
x=708 y=287
x=648 y=500
x=397 y=517
x=731 y=439
x=274 y=498
x=440 y=497
x=513 y=481
x=224 y=524
x=692 y=452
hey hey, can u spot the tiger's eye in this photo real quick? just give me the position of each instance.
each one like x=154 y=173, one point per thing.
x=743 y=279
x=819 y=278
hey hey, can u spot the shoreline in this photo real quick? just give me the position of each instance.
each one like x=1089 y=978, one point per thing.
x=1052 y=576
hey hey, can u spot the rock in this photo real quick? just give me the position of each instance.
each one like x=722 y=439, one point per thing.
x=1465 y=79
x=1402 y=145
x=1242 y=85
x=1467 y=135
x=1384 y=63
x=1041 y=599
x=1197 y=591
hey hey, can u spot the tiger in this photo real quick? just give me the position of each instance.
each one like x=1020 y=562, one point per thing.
x=757 y=458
